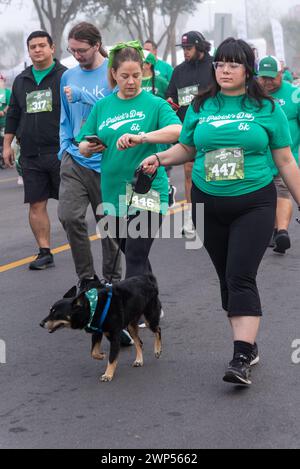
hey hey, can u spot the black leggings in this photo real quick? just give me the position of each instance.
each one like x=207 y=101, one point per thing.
x=137 y=249
x=237 y=231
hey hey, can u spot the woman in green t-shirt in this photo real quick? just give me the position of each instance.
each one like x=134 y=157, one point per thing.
x=227 y=131
x=152 y=83
x=130 y=123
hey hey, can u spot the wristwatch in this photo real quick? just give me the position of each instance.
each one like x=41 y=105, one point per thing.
x=144 y=137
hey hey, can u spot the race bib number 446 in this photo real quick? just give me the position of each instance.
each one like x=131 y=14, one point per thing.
x=39 y=101
x=149 y=201
x=226 y=164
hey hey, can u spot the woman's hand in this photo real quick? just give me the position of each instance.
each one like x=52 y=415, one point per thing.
x=150 y=164
x=88 y=149
x=129 y=141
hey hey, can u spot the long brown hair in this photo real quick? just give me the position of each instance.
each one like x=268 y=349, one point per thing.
x=89 y=33
x=128 y=54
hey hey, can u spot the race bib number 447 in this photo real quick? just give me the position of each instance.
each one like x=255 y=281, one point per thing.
x=226 y=164
x=39 y=101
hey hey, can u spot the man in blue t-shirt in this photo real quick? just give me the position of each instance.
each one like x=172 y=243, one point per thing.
x=81 y=88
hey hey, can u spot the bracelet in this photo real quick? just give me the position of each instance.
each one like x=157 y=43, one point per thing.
x=157 y=157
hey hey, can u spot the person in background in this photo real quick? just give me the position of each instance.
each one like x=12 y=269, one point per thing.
x=270 y=77
x=157 y=85
x=162 y=69
x=194 y=74
x=33 y=115
x=5 y=95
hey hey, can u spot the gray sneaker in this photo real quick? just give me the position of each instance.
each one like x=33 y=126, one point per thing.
x=42 y=262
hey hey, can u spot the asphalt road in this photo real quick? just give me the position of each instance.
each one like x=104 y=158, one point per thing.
x=51 y=396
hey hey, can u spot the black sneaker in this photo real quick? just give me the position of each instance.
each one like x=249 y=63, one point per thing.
x=87 y=284
x=238 y=371
x=42 y=262
x=254 y=355
x=172 y=193
x=282 y=241
x=125 y=338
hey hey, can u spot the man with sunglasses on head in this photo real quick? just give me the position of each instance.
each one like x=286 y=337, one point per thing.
x=81 y=88
x=188 y=78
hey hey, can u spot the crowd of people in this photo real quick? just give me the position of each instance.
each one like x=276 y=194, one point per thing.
x=232 y=122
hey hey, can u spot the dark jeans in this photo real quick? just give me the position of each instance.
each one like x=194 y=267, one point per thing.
x=237 y=231
x=137 y=249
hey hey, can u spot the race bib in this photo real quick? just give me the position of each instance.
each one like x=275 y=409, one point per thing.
x=39 y=101
x=149 y=201
x=226 y=164
x=187 y=94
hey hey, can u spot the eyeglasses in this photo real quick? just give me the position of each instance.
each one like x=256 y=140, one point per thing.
x=78 y=51
x=233 y=66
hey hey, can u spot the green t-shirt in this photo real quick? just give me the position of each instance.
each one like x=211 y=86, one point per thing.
x=164 y=70
x=39 y=75
x=161 y=86
x=111 y=118
x=224 y=122
x=5 y=95
x=288 y=76
x=288 y=97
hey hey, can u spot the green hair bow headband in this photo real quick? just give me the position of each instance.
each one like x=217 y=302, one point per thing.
x=123 y=45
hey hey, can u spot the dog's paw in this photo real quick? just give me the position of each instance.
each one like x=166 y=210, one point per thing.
x=98 y=356
x=137 y=364
x=106 y=378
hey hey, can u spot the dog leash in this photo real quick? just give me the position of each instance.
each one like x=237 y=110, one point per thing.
x=92 y=296
x=141 y=184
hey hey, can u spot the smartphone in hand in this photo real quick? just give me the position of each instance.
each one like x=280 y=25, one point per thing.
x=94 y=139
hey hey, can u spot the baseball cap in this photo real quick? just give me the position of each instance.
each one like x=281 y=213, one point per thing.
x=191 y=39
x=269 y=66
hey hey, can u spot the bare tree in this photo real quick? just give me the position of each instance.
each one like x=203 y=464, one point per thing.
x=140 y=17
x=54 y=15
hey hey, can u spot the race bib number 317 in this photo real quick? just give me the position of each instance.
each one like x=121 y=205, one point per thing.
x=39 y=101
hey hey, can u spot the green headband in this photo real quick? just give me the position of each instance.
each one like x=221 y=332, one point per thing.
x=123 y=45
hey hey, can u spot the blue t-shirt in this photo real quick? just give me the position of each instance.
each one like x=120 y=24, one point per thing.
x=88 y=87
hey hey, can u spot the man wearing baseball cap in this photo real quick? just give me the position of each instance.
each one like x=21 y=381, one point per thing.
x=194 y=73
x=270 y=77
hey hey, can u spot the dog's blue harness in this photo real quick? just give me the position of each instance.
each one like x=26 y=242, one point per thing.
x=92 y=296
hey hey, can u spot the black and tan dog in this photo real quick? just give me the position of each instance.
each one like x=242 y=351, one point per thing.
x=126 y=302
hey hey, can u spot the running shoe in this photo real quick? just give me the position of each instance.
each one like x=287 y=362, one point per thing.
x=254 y=355
x=282 y=242
x=125 y=338
x=172 y=193
x=188 y=229
x=162 y=315
x=42 y=262
x=20 y=181
x=87 y=284
x=238 y=371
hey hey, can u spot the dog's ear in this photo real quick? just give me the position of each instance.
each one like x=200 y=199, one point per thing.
x=79 y=300
x=71 y=293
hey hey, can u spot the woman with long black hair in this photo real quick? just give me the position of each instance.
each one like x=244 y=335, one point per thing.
x=227 y=131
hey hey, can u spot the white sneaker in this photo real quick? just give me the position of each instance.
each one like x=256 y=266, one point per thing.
x=20 y=181
x=188 y=229
x=162 y=315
